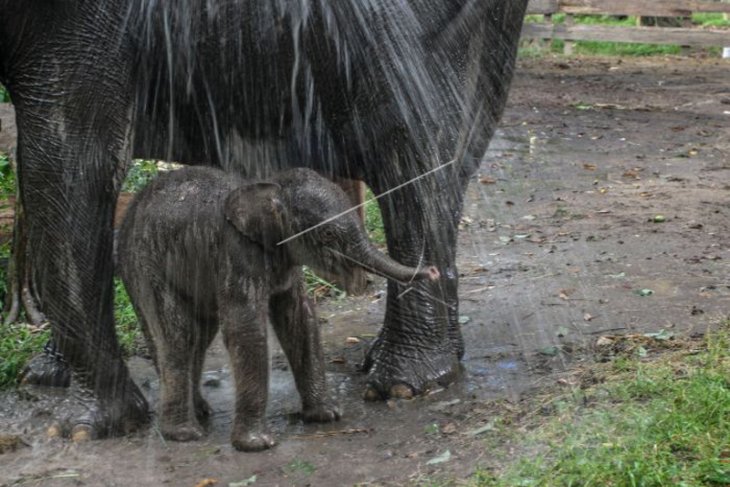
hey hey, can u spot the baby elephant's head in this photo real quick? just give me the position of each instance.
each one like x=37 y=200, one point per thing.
x=307 y=215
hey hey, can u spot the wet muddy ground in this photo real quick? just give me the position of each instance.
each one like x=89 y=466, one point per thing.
x=603 y=208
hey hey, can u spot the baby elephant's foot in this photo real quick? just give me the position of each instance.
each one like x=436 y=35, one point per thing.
x=188 y=431
x=324 y=413
x=252 y=440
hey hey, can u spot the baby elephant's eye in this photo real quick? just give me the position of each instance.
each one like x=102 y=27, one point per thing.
x=328 y=235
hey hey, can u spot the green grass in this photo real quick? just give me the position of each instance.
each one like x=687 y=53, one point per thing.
x=129 y=333
x=659 y=423
x=374 y=220
x=17 y=345
x=140 y=173
x=710 y=20
x=4 y=95
x=7 y=177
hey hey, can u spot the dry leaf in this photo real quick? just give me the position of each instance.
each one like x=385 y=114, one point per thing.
x=565 y=294
x=589 y=167
x=352 y=340
x=587 y=317
x=206 y=483
x=487 y=180
x=449 y=429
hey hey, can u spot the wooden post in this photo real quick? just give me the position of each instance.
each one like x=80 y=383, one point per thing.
x=569 y=46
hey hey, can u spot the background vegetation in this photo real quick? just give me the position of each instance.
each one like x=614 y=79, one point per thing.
x=617 y=48
x=648 y=422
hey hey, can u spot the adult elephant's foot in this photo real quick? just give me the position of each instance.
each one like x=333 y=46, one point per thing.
x=251 y=439
x=404 y=371
x=323 y=413
x=85 y=417
x=46 y=369
x=186 y=431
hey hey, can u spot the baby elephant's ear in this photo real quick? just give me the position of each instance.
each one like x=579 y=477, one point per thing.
x=258 y=213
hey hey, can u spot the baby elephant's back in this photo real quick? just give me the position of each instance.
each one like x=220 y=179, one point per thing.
x=173 y=209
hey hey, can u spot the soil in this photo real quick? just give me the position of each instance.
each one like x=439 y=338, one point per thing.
x=603 y=208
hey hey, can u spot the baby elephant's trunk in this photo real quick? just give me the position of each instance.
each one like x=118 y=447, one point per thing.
x=378 y=263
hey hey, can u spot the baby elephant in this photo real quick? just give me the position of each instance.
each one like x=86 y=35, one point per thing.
x=201 y=249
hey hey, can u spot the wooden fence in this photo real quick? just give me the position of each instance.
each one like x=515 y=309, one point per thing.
x=570 y=31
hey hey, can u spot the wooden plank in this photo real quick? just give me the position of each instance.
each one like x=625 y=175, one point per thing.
x=542 y=7
x=648 y=35
x=646 y=8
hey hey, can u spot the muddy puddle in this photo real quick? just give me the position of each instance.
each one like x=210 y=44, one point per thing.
x=603 y=207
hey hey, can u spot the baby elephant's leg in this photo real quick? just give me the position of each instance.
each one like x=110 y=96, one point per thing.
x=208 y=329
x=295 y=323
x=244 y=334
x=172 y=328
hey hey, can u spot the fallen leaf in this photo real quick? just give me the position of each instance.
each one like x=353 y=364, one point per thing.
x=565 y=294
x=661 y=335
x=243 y=483
x=589 y=167
x=352 y=340
x=587 y=317
x=448 y=429
x=338 y=360
x=431 y=429
x=480 y=430
x=604 y=342
x=549 y=351
x=444 y=457
x=487 y=180
x=206 y=483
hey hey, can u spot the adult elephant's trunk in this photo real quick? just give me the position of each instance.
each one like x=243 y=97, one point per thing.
x=377 y=262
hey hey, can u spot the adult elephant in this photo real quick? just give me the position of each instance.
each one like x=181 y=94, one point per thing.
x=377 y=90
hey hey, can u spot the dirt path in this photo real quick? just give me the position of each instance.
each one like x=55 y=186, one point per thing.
x=560 y=236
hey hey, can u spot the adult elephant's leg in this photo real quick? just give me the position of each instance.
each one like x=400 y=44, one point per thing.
x=71 y=151
x=420 y=343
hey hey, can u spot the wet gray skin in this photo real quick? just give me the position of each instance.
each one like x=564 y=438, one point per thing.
x=382 y=91
x=200 y=250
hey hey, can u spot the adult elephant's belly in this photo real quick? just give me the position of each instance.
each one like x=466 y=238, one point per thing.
x=244 y=92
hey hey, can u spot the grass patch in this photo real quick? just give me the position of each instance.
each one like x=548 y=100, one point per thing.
x=651 y=423
x=18 y=343
x=710 y=20
x=4 y=95
x=129 y=333
x=140 y=173
x=374 y=220
x=7 y=177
